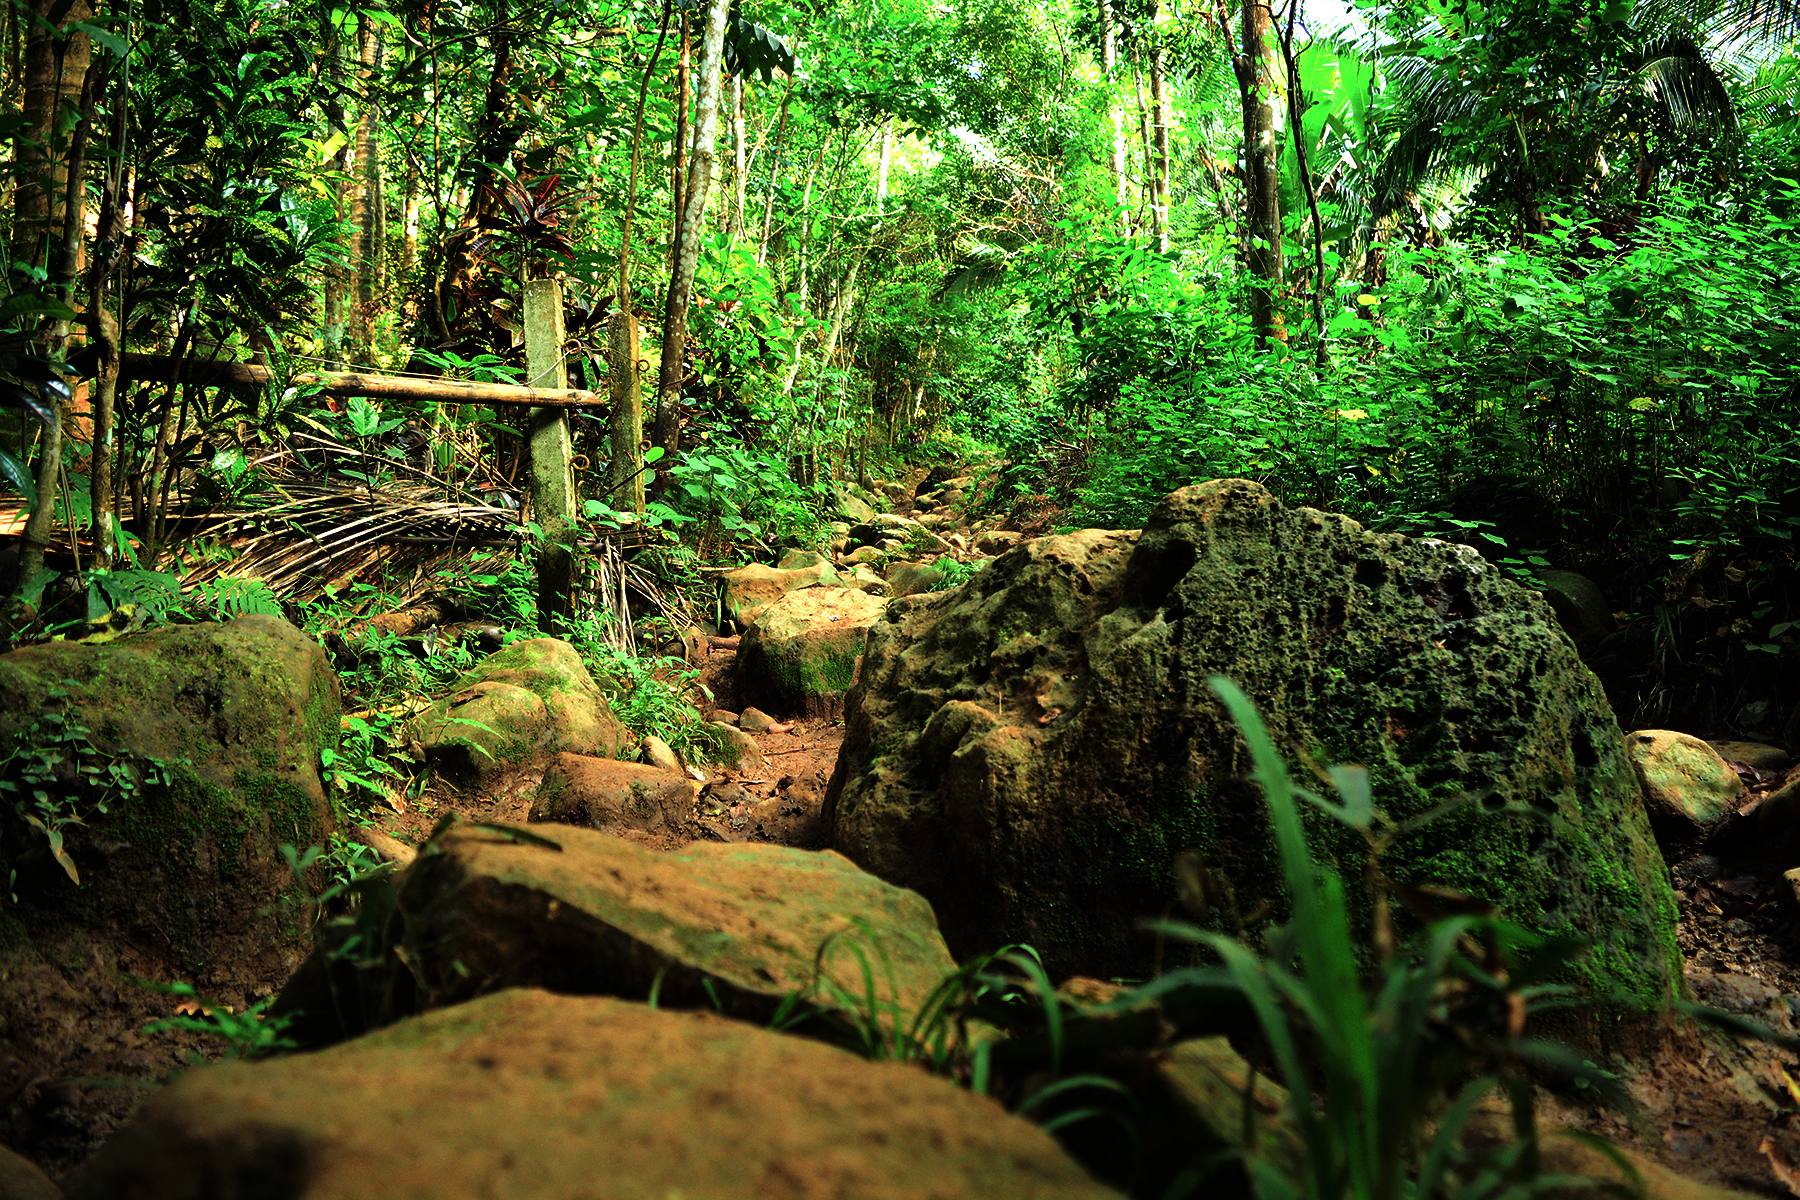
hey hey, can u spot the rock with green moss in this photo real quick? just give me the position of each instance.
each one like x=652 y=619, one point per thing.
x=740 y=925
x=203 y=744
x=1689 y=790
x=801 y=656
x=1032 y=750
x=745 y=593
x=578 y=1098
x=532 y=698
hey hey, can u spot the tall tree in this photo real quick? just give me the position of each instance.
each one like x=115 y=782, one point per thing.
x=1256 y=62
x=710 y=72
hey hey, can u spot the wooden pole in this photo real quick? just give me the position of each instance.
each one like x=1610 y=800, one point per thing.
x=552 y=460
x=626 y=478
x=162 y=368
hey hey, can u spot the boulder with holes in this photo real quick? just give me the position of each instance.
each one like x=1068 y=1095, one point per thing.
x=1033 y=750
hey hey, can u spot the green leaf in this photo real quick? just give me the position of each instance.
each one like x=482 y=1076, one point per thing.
x=19 y=475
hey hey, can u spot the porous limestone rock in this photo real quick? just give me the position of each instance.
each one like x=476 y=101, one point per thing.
x=525 y=1093
x=1032 y=750
x=534 y=697
x=801 y=656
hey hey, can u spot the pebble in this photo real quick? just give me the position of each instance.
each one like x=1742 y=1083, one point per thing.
x=658 y=753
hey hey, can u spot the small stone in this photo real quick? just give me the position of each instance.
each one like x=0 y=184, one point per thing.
x=658 y=753
x=755 y=720
x=723 y=717
x=1754 y=754
x=796 y=560
x=960 y=542
x=995 y=541
x=1793 y=881
x=1738 y=927
x=864 y=554
x=739 y=749
x=1688 y=788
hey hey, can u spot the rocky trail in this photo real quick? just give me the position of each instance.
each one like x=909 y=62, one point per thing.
x=578 y=976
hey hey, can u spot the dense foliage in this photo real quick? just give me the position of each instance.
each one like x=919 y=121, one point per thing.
x=1533 y=288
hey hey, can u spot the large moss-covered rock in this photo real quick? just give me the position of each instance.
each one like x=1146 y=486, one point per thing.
x=739 y=925
x=1032 y=750
x=532 y=698
x=527 y=1094
x=746 y=592
x=218 y=729
x=801 y=656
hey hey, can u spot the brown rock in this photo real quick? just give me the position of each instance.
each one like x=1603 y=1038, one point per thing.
x=562 y=1098
x=747 y=591
x=21 y=1179
x=655 y=752
x=1754 y=754
x=755 y=720
x=995 y=541
x=738 y=749
x=582 y=912
x=1688 y=789
x=803 y=653
x=602 y=793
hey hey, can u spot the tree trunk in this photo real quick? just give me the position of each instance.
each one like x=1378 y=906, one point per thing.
x=360 y=193
x=768 y=219
x=1255 y=66
x=678 y=172
x=1159 y=137
x=109 y=243
x=1109 y=59
x=687 y=243
x=737 y=151
x=56 y=64
x=554 y=503
x=339 y=278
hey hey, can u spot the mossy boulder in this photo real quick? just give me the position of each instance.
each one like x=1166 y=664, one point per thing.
x=745 y=593
x=525 y=1093
x=736 y=925
x=218 y=730
x=802 y=655
x=530 y=699
x=1032 y=750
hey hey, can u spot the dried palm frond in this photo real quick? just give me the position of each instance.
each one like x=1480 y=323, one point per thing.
x=318 y=534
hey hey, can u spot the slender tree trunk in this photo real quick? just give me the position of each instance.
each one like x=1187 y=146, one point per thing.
x=1109 y=58
x=626 y=423
x=56 y=65
x=793 y=371
x=109 y=242
x=1296 y=108
x=1256 y=66
x=361 y=192
x=1146 y=194
x=687 y=244
x=678 y=179
x=737 y=150
x=1159 y=138
x=339 y=279
x=768 y=219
